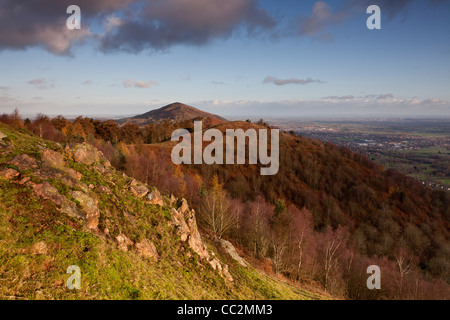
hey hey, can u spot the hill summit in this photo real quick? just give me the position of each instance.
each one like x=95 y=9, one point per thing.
x=175 y=112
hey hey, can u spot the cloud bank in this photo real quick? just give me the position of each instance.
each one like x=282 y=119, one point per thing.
x=129 y=25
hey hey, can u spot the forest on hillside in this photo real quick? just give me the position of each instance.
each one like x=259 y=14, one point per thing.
x=321 y=221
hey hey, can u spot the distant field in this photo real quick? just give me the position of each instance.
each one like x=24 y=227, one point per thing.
x=418 y=148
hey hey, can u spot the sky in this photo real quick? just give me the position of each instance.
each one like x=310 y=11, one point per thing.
x=235 y=58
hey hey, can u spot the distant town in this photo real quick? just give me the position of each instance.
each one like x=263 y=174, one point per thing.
x=418 y=148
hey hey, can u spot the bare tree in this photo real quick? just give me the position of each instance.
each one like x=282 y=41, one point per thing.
x=404 y=267
x=279 y=246
x=331 y=256
x=215 y=212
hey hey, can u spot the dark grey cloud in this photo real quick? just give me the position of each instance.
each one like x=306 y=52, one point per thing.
x=283 y=82
x=42 y=23
x=137 y=25
x=162 y=24
x=155 y=24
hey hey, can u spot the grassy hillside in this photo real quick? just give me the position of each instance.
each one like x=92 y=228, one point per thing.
x=67 y=206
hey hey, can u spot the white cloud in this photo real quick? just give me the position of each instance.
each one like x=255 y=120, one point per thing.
x=130 y=83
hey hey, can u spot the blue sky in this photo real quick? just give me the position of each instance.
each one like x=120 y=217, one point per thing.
x=266 y=58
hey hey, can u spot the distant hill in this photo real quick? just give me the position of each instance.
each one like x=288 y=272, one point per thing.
x=175 y=112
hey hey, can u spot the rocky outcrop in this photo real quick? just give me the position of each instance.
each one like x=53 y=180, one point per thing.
x=79 y=200
x=231 y=250
x=184 y=221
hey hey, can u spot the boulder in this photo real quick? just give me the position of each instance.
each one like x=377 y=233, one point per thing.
x=155 y=198
x=53 y=159
x=24 y=162
x=49 y=192
x=87 y=154
x=88 y=205
x=70 y=208
x=8 y=173
x=139 y=191
x=123 y=242
x=147 y=249
x=2 y=135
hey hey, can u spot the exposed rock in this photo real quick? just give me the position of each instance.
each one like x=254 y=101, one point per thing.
x=222 y=270
x=87 y=154
x=187 y=229
x=184 y=206
x=53 y=159
x=105 y=190
x=181 y=225
x=88 y=205
x=38 y=248
x=24 y=180
x=172 y=200
x=147 y=249
x=139 y=191
x=227 y=274
x=49 y=192
x=123 y=242
x=100 y=169
x=2 y=135
x=8 y=173
x=155 y=198
x=24 y=162
x=70 y=208
x=228 y=246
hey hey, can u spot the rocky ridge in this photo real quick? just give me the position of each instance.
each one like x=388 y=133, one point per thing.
x=82 y=204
